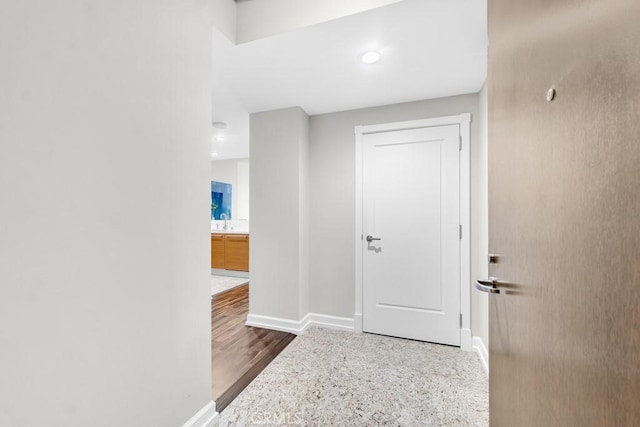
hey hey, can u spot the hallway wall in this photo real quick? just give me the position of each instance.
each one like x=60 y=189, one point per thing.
x=278 y=250
x=480 y=222
x=105 y=122
x=332 y=196
x=302 y=250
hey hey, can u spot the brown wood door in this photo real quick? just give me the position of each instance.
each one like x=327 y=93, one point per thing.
x=564 y=184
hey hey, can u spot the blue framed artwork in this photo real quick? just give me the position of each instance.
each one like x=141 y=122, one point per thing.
x=220 y=199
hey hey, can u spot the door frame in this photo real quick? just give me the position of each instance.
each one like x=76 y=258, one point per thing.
x=464 y=121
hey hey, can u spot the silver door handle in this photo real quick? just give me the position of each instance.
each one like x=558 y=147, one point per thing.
x=371 y=238
x=488 y=286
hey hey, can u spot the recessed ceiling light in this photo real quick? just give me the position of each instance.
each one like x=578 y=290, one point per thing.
x=219 y=125
x=220 y=138
x=371 y=57
x=214 y=154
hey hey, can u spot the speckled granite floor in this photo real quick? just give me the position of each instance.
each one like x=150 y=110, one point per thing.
x=334 y=378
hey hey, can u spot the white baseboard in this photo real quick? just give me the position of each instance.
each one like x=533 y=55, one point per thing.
x=479 y=347
x=329 y=322
x=466 y=339
x=206 y=417
x=299 y=326
x=276 y=323
x=357 y=323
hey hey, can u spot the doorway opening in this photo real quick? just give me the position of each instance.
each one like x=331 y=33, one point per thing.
x=238 y=352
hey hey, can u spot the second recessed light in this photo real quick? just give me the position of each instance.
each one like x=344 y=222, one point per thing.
x=371 y=57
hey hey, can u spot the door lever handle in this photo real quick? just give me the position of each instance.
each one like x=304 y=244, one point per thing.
x=488 y=286
x=370 y=238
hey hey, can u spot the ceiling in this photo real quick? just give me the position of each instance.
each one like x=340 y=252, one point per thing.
x=429 y=48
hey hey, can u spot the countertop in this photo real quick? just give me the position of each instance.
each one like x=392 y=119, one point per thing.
x=229 y=231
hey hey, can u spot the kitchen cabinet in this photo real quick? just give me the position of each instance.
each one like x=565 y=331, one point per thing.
x=236 y=252
x=217 y=251
x=230 y=251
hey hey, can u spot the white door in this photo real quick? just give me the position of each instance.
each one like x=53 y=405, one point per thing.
x=411 y=202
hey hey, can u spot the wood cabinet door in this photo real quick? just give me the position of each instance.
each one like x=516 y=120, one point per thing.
x=237 y=252
x=217 y=251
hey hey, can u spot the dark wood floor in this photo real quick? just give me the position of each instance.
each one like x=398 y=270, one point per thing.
x=238 y=352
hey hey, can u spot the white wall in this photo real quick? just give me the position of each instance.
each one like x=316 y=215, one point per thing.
x=104 y=175
x=332 y=195
x=262 y=18
x=279 y=141
x=243 y=190
x=236 y=173
x=224 y=17
x=480 y=222
x=303 y=210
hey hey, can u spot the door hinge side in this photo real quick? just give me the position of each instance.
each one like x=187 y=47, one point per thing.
x=460 y=231
x=460 y=143
x=460 y=320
